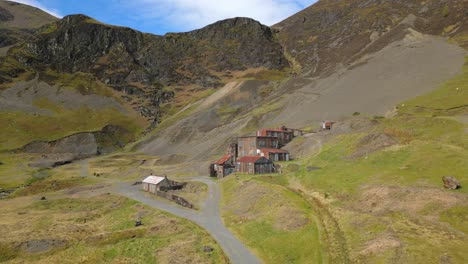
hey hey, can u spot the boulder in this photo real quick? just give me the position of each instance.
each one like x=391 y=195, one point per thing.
x=451 y=183
x=207 y=249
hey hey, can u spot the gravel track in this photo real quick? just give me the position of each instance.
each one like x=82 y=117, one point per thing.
x=208 y=217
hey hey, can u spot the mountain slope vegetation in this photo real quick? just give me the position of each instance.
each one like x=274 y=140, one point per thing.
x=392 y=75
x=80 y=75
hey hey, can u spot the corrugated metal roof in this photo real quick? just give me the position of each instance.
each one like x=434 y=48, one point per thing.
x=258 y=137
x=273 y=150
x=223 y=159
x=276 y=130
x=247 y=159
x=153 y=179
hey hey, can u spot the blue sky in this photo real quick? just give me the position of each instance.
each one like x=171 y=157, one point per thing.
x=162 y=16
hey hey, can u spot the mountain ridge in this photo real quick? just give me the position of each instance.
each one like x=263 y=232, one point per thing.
x=331 y=33
x=151 y=72
x=368 y=190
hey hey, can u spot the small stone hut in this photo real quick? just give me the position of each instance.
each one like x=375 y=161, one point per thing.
x=153 y=184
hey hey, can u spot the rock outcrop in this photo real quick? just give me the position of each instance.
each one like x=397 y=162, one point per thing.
x=81 y=145
x=77 y=146
x=451 y=182
x=121 y=56
x=142 y=65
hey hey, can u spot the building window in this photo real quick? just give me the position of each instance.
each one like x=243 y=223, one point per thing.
x=261 y=143
x=274 y=143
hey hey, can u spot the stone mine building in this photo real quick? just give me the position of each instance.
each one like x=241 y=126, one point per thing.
x=249 y=146
x=255 y=154
x=254 y=165
x=284 y=134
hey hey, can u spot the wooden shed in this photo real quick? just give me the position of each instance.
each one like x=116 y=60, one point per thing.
x=153 y=184
x=254 y=165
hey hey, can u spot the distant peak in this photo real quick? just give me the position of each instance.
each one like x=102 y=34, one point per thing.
x=236 y=21
x=76 y=18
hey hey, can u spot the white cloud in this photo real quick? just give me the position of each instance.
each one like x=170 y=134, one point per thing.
x=37 y=4
x=191 y=14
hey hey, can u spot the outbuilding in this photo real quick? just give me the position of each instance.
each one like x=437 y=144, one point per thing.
x=327 y=125
x=153 y=184
x=254 y=165
x=275 y=154
x=222 y=167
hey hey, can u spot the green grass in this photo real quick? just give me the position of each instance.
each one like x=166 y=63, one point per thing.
x=418 y=165
x=30 y=127
x=418 y=212
x=48 y=28
x=264 y=222
x=424 y=160
x=449 y=99
x=457 y=217
x=84 y=83
x=52 y=184
x=279 y=246
x=101 y=230
x=14 y=170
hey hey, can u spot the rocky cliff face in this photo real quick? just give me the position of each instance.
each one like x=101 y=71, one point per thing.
x=331 y=33
x=120 y=56
x=141 y=65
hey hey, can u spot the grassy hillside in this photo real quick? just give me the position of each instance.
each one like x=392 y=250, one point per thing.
x=383 y=186
x=271 y=220
x=449 y=100
x=19 y=16
x=99 y=229
x=31 y=127
x=54 y=105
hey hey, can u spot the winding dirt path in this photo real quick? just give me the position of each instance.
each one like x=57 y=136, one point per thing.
x=208 y=217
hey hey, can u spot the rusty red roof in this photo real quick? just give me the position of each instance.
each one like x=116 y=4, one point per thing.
x=223 y=159
x=276 y=130
x=249 y=159
x=273 y=150
x=258 y=137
